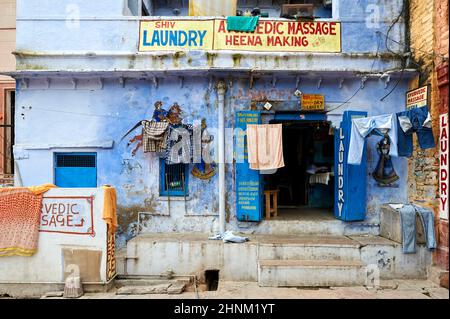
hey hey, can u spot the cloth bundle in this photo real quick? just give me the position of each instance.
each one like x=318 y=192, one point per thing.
x=229 y=237
x=110 y=207
x=154 y=136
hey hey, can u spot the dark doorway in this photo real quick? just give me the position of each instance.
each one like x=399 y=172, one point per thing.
x=212 y=280
x=306 y=183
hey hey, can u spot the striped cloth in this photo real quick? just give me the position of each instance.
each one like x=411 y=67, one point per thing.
x=201 y=8
x=154 y=135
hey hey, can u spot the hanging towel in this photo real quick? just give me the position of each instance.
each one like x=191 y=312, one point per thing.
x=241 y=23
x=363 y=127
x=20 y=214
x=265 y=146
x=110 y=207
x=154 y=135
x=210 y=8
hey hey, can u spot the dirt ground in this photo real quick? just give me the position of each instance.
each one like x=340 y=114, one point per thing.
x=392 y=289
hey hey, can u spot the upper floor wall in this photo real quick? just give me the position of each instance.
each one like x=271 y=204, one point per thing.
x=101 y=35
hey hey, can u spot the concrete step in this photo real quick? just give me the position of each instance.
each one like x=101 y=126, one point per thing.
x=309 y=248
x=310 y=273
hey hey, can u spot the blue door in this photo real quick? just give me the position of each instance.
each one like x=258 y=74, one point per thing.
x=350 y=180
x=76 y=170
x=248 y=182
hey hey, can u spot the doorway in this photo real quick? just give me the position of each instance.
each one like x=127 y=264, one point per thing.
x=306 y=182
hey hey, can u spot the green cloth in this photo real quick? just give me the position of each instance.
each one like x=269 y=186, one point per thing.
x=241 y=23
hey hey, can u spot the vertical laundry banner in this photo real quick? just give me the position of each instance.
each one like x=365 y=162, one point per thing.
x=443 y=166
x=164 y=35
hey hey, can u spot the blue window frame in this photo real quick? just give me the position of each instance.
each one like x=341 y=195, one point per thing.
x=75 y=170
x=174 y=179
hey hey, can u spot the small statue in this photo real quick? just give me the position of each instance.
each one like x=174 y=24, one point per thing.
x=73 y=287
x=384 y=172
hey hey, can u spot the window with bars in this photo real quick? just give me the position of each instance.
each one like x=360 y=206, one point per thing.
x=173 y=179
x=76 y=170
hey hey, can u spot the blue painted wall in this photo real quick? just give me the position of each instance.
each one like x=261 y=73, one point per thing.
x=56 y=116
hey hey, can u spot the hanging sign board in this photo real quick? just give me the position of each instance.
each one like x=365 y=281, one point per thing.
x=169 y=35
x=284 y=36
x=269 y=35
x=313 y=102
x=417 y=98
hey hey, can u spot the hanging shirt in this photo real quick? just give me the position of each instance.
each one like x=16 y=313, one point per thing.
x=265 y=146
x=363 y=127
x=416 y=120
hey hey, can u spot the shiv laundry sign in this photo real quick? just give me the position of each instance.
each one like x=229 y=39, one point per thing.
x=176 y=35
x=270 y=35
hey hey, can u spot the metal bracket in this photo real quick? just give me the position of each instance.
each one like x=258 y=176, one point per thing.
x=297 y=81
x=181 y=78
x=24 y=83
x=319 y=83
x=274 y=81
x=74 y=83
x=155 y=82
x=122 y=81
x=251 y=81
x=47 y=81
x=341 y=83
x=101 y=83
x=363 y=82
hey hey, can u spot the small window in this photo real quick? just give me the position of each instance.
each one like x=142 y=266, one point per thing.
x=76 y=170
x=173 y=179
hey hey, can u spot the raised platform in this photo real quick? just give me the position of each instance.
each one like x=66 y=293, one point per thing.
x=274 y=260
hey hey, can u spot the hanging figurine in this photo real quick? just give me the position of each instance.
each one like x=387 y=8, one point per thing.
x=384 y=172
x=205 y=170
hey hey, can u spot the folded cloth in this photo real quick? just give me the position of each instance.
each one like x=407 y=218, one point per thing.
x=242 y=23
x=363 y=127
x=321 y=178
x=110 y=207
x=229 y=237
x=265 y=146
x=20 y=213
x=154 y=135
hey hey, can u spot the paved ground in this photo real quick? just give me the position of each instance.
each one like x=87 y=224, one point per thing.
x=393 y=289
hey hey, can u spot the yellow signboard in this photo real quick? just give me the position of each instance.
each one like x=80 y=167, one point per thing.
x=165 y=35
x=286 y=36
x=270 y=35
x=313 y=102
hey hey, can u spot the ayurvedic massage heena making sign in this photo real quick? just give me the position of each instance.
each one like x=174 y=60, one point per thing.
x=269 y=35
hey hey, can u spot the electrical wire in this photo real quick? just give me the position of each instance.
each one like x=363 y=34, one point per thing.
x=361 y=86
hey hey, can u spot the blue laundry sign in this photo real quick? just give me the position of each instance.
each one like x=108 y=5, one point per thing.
x=350 y=181
x=248 y=182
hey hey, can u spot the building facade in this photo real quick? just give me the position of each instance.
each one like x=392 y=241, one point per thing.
x=88 y=71
x=7 y=87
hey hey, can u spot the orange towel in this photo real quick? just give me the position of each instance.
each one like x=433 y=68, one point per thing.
x=20 y=213
x=265 y=146
x=110 y=207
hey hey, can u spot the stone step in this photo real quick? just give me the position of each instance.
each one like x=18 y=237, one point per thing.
x=310 y=273
x=168 y=287
x=309 y=248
